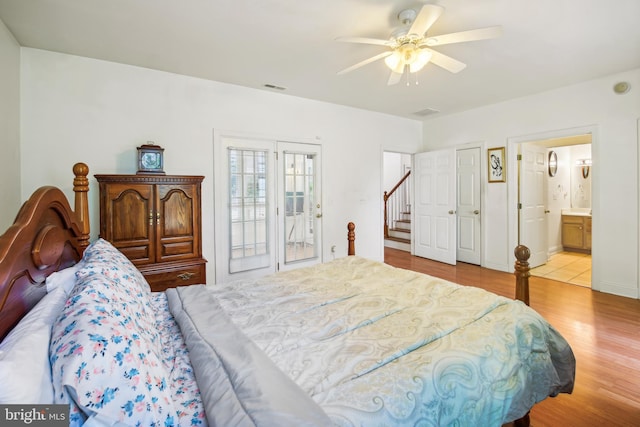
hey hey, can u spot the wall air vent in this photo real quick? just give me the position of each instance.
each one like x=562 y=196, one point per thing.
x=270 y=86
x=426 y=112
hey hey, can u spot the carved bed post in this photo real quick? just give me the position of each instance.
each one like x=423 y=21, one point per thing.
x=351 y=236
x=522 y=273
x=81 y=208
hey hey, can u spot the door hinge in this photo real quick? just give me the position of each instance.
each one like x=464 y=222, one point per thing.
x=519 y=205
x=519 y=157
x=276 y=153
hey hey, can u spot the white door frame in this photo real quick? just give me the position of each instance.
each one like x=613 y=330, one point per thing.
x=513 y=188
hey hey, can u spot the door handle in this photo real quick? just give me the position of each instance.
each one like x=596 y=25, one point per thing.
x=451 y=212
x=319 y=215
x=476 y=212
x=547 y=211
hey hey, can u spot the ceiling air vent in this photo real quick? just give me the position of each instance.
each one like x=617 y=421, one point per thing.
x=426 y=112
x=270 y=86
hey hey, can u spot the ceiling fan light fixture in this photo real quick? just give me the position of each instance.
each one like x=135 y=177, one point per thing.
x=422 y=58
x=395 y=61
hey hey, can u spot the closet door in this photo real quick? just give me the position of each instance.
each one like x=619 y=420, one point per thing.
x=434 y=215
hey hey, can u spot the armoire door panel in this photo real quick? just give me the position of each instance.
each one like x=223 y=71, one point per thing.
x=178 y=206
x=138 y=254
x=176 y=212
x=130 y=224
x=177 y=249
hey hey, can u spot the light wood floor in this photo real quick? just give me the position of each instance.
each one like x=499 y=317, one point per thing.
x=570 y=267
x=602 y=330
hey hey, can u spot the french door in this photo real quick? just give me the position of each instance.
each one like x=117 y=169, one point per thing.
x=267 y=206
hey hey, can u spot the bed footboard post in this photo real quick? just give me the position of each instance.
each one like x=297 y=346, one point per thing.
x=351 y=236
x=522 y=273
x=81 y=208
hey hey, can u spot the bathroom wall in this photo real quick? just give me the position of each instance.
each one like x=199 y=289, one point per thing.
x=580 y=186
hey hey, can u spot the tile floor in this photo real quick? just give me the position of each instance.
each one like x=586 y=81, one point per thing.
x=569 y=267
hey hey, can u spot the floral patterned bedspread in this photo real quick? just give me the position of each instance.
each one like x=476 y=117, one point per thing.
x=117 y=356
x=376 y=345
x=175 y=356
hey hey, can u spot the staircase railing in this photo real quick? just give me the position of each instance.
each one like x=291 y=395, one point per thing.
x=396 y=202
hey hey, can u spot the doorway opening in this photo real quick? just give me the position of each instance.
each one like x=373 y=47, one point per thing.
x=397 y=194
x=554 y=209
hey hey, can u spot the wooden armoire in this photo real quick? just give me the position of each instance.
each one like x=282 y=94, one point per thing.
x=155 y=220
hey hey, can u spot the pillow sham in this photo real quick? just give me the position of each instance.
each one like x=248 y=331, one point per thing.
x=65 y=278
x=24 y=354
x=101 y=257
x=105 y=355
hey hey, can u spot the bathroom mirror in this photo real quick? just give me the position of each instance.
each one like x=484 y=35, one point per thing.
x=553 y=163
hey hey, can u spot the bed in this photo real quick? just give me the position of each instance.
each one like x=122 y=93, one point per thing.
x=348 y=342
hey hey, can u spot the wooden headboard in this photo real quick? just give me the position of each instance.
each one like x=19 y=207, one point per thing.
x=46 y=236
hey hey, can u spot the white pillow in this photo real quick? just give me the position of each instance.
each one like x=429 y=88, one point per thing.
x=25 y=371
x=65 y=278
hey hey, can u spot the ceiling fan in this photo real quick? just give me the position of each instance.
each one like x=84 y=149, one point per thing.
x=410 y=47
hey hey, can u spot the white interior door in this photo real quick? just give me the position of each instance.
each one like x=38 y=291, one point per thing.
x=300 y=213
x=434 y=215
x=533 y=199
x=468 y=205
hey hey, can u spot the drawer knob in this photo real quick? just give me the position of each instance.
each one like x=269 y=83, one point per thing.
x=186 y=275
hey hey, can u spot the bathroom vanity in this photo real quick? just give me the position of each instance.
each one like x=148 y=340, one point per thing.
x=576 y=230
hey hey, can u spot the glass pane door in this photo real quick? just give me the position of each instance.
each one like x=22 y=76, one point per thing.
x=248 y=219
x=300 y=192
x=267 y=206
x=299 y=176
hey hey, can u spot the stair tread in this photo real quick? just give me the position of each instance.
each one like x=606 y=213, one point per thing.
x=398 y=239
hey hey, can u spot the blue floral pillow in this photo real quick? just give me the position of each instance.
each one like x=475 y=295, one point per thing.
x=105 y=349
x=101 y=257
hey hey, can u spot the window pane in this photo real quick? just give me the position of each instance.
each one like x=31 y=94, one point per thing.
x=248 y=196
x=299 y=198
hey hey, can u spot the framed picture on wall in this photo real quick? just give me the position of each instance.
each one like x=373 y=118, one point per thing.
x=497 y=165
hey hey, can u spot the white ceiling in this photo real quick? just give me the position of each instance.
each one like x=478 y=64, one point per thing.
x=291 y=44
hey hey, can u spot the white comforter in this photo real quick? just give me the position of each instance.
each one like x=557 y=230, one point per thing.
x=376 y=345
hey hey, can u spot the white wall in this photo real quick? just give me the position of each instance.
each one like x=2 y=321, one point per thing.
x=80 y=109
x=614 y=119
x=10 y=197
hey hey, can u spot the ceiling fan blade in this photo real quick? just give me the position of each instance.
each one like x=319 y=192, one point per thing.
x=425 y=19
x=364 y=40
x=446 y=62
x=464 y=36
x=365 y=62
x=394 y=78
